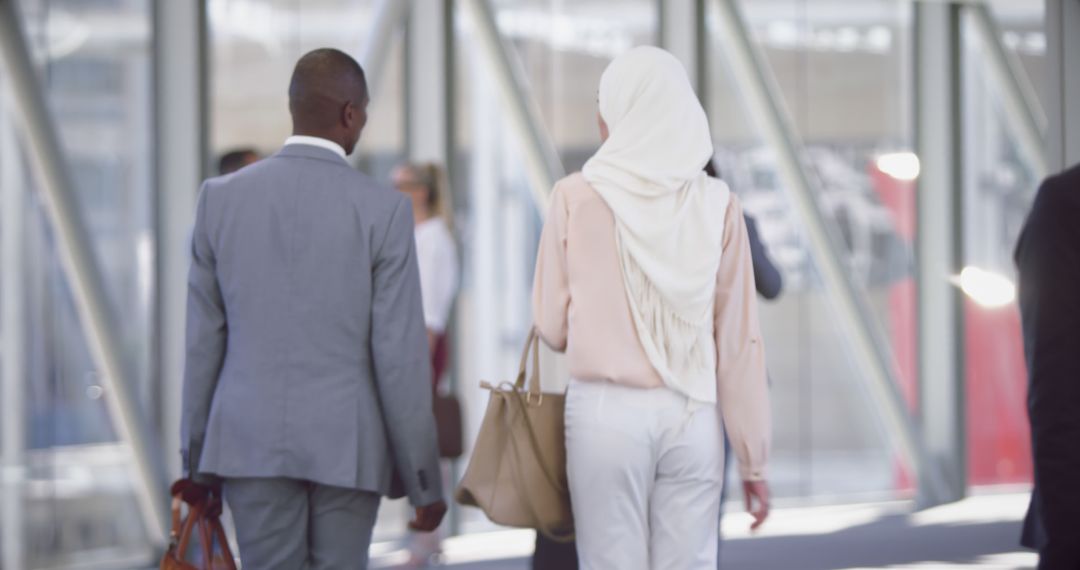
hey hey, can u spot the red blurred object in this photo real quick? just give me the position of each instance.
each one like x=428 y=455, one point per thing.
x=999 y=436
x=998 y=433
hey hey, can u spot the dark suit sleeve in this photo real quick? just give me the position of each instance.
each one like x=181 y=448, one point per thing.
x=1048 y=258
x=206 y=340
x=399 y=347
x=767 y=277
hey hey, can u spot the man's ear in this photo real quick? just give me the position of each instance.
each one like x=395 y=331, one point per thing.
x=348 y=114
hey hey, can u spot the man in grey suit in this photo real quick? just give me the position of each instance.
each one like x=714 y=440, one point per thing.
x=307 y=387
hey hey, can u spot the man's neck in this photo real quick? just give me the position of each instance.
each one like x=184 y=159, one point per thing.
x=327 y=136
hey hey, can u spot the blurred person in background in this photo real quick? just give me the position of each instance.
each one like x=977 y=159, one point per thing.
x=427 y=186
x=236 y=159
x=1048 y=261
x=307 y=382
x=769 y=283
x=644 y=278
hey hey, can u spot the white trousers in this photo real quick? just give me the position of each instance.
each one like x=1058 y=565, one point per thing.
x=645 y=473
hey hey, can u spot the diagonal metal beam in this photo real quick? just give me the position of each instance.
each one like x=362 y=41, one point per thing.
x=868 y=347
x=80 y=267
x=390 y=17
x=542 y=162
x=1023 y=111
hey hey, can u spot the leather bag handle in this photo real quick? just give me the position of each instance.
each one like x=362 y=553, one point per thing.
x=532 y=343
x=204 y=517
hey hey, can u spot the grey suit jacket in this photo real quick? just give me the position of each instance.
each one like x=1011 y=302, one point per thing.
x=307 y=354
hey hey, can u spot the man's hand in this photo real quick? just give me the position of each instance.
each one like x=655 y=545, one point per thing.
x=197 y=489
x=756 y=494
x=428 y=518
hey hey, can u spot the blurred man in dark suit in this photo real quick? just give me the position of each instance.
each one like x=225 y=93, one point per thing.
x=236 y=159
x=1048 y=259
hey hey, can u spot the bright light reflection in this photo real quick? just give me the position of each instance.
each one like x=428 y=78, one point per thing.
x=988 y=289
x=900 y=165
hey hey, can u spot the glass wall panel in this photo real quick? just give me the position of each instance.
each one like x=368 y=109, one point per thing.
x=95 y=64
x=564 y=47
x=1000 y=185
x=254 y=45
x=843 y=72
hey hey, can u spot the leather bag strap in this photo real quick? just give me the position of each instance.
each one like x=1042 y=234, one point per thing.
x=529 y=342
x=532 y=344
x=182 y=537
x=223 y=540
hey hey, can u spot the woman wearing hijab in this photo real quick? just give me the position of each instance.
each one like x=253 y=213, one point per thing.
x=644 y=278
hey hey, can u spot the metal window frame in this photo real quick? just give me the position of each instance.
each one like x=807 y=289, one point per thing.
x=1063 y=103
x=12 y=347
x=682 y=32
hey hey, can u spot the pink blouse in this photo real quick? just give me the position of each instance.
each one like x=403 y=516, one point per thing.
x=580 y=307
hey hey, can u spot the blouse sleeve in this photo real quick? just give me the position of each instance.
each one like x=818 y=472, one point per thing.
x=551 y=288
x=742 y=380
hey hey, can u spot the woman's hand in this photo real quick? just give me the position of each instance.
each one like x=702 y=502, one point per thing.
x=756 y=494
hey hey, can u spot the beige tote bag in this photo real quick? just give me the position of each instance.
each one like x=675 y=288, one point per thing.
x=517 y=473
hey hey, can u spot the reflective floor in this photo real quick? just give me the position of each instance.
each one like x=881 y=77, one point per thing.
x=980 y=532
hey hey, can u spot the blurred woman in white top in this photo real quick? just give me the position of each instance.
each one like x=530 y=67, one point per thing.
x=436 y=251
x=436 y=254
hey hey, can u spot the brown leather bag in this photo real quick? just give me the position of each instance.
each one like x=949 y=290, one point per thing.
x=448 y=423
x=204 y=517
x=517 y=473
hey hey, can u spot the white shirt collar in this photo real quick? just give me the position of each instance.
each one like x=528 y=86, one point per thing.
x=317 y=141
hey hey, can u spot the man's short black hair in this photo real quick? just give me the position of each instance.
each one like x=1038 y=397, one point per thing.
x=323 y=80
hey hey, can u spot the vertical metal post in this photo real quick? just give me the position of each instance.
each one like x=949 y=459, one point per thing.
x=1063 y=102
x=682 y=32
x=428 y=80
x=181 y=134
x=858 y=325
x=80 y=267
x=12 y=373
x=938 y=54
x=1023 y=111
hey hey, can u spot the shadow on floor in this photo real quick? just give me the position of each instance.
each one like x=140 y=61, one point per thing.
x=888 y=541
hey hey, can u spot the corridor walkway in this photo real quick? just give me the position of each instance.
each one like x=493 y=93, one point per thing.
x=981 y=532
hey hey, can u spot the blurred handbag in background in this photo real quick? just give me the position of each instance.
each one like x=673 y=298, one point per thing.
x=204 y=518
x=448 y=423
x=517 y=473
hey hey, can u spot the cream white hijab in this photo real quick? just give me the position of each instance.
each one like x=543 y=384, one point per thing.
x=669 y=216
